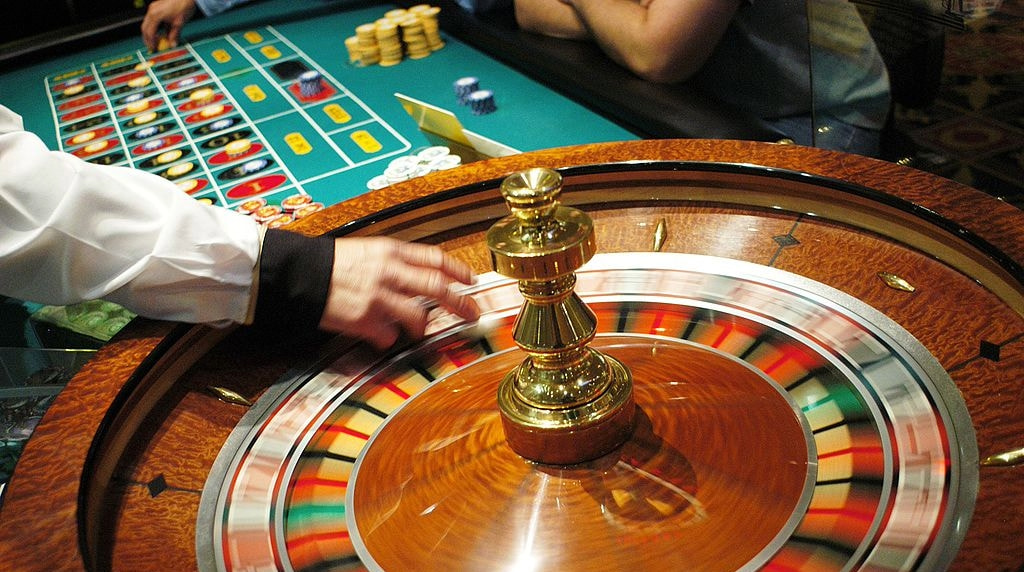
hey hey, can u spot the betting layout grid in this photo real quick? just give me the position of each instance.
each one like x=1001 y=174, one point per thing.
x=233 y=121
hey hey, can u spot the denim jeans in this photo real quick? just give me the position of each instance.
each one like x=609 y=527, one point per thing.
x=829 y=133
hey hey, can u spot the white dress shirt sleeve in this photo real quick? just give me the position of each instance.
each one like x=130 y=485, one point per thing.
x=73 y=231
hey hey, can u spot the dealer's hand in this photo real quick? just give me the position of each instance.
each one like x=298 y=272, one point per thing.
x=381 y=286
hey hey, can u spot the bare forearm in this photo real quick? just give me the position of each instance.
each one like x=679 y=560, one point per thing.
x=550 y=18
x=660 y=40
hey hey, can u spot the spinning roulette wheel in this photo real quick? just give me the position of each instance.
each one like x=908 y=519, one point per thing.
x=824 y=352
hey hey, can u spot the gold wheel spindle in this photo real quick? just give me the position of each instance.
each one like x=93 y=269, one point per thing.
x=566 y=403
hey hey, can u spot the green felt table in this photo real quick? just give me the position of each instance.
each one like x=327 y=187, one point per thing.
x=327 y=147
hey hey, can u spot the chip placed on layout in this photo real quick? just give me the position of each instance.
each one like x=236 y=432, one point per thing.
x=74 y=90
x=168 y=157
x=296 y=201
x=446 y=162
x=133 y=97
x=181 y=169
x=378 y=182
x=250 y=206
x=201 y=96
x=279 y=221
x=145 y=118
x=137 y=106
x=254 y=166
x=212 y=111
x=141 y=81
x=307 y=210
x=97 y=146
x=267 y=213
x=431 y=153
x=153 y=145
x=83 y=138
x=238 y=147
x=146 y=133
x=188 y=186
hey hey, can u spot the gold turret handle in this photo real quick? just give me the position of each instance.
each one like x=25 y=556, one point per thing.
x=566 y=403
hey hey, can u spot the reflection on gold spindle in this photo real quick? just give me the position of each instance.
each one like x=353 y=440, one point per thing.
x=566 y=403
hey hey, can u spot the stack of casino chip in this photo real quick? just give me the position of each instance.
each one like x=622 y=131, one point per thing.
x=481 y=102
x=306 y=210
x=415 y=40
x=352 y=45
x=428 y=17
x=465 y=86
x=388 y=42
x=406 y=167
x=311 y=83
x=368 y=49
x=292 y=208
x=401 y=33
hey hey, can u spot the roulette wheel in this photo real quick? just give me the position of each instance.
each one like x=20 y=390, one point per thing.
x=822 y=349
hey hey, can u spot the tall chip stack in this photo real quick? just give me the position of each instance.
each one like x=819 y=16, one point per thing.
x=399 y=34
x=369 y=49
x=428 y=15
x=389 y=43
x=415 y=40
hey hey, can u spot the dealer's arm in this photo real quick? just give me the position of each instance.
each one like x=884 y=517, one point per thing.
x=73 y=231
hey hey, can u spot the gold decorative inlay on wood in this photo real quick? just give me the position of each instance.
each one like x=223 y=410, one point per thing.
x=1007 y=459
x=660 y=235
x=896 y=282
x=228 y=396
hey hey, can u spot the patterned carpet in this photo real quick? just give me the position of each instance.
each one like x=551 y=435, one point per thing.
x=974 y=131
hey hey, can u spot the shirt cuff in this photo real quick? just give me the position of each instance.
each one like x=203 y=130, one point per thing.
x=294 y=278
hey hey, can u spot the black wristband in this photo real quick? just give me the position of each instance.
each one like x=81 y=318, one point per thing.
x=295 y=274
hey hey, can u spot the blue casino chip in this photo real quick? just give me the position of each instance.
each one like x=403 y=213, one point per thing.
x=146 y=132
x=310 y=83
x=481 y=102
x=254 y=166
x=250 y=167
x=152 y=145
